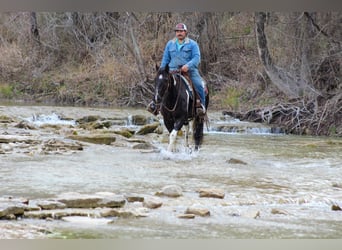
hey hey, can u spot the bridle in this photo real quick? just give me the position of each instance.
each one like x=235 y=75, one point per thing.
x=173 y=75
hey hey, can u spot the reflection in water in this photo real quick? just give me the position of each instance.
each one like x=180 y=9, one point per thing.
x=285 y=189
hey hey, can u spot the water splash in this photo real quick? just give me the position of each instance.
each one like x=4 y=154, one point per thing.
x=52 y=119
x=182 y=154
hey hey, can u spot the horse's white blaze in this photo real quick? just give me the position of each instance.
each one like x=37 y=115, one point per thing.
x=172 y=141
x=160 y=77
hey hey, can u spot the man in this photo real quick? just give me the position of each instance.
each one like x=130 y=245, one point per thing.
x=183 y=53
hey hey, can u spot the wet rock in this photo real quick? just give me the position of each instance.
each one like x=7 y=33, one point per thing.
x=337 y=185
x=60 y=213
x=186 y=216
x=125 y=133
x=50 y=204
x=7 y=139
x=89 y=118
x=53 y=146
x=134 y=198
x=236 y=161
x=76 y=200
x=278 y=211
x=9 y=217
x=152 y=203
x=146 y=129
x=123 y=213
x=96 y=125
x=25 y=125
x=335 y=207
x=170 y=191
x=198 y=211
x=9 y=208
x=139 y=119
x=144 y=146
x=211 y=193
x=96 y=139
x=5 y=119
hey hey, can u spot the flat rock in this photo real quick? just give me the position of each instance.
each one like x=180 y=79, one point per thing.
x=11 y=208
x=198 y=211
x=186 y=216
x=211 y=193
x=76 y=200
x=50 y=204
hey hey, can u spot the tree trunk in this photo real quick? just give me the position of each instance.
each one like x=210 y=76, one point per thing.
x=208 y=39
x=34 y=27
x=136 y=48
x=289 y=84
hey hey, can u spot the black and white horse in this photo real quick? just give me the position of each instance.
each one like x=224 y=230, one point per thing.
x=175 y=99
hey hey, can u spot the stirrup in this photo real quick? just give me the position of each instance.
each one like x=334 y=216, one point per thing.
x=201 y=110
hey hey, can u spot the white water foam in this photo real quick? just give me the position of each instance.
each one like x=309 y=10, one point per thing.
x=182 y=154
x=52 y=119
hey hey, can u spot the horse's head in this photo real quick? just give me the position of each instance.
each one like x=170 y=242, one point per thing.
x=161 y=83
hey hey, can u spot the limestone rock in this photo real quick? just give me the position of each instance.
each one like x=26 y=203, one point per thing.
x=134 y=198
x=211 y=193
x=236 y=161
x=146 y=129
x=76 y=200
x=9 y=208
x=170 y=191
x=152 y=203
x=50 y=204
x=198 y=211
x=186 y=216
x=94 y=138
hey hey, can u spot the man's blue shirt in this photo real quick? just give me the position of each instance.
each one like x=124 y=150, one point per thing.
x=188 y=54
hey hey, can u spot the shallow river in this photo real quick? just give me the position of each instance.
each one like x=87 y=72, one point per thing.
x=285 y=188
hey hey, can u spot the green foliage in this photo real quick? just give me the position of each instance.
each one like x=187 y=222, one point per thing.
x=232 y=98
x=6 y=91
x=332 y=130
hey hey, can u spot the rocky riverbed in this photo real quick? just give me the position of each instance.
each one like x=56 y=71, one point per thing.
x=103 y=173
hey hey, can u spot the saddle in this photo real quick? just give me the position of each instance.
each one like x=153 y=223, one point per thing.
x=190 y=87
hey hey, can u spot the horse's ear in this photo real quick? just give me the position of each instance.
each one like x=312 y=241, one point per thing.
x=167 y=68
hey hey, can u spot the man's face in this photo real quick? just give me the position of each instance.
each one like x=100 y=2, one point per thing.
x=180 y=34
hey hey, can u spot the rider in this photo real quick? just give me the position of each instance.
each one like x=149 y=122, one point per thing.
x=183 y=53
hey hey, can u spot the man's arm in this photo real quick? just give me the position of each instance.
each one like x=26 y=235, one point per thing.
x=166 y=56
x=196 y=56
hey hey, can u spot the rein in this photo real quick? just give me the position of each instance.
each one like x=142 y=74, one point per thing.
x=178 y=95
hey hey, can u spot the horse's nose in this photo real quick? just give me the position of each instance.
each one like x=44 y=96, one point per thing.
x=157 y=98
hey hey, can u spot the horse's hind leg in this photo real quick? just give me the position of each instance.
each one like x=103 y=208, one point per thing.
x=186 y=135
x=198 y=132
x=172 y=141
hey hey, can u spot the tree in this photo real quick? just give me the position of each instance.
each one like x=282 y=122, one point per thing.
x=293 y=85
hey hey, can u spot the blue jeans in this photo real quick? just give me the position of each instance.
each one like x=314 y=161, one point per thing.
x=198 y=83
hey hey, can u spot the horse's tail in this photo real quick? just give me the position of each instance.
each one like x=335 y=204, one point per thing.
x=197 y=124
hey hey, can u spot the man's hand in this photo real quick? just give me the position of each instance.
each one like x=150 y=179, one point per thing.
x=184 y=68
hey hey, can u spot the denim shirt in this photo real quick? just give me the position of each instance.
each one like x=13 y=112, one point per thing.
x=189 y=54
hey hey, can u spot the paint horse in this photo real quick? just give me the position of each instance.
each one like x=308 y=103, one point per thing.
x=176 y=99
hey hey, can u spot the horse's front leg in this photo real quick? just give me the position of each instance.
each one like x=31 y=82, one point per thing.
x=172 y=141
